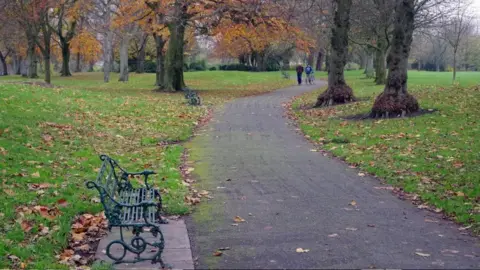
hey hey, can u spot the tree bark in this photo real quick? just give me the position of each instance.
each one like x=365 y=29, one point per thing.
x=31 y=57
x=48 y=75
x=107 y=56
x=65 y=72
x=174 y=80
x=4 y=64
x=141 y=60
x=17 y=64
x=320 y=58
x=78 y=68
x=160 y=69
x=380 y=69
x=395 y=100
x=124 y=58
x=338 y=92
x=369 y=73
x=310 y=59
x=454 y=64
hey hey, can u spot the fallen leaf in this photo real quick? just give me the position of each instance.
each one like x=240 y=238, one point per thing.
x=26 y=225
x=464 y=228
x=44 y=231
x=66 y=254
x=9 y=192
x=333 y=235
x=36 y=174
x=62 y=203
x=217 y=253
x=203 y=193
x=361 y=174
x=431 y=220
x=301 y=250
x=450 y=251
x=313 y=150
x=460 y=194
x=47 y=137
x=234 y=224
x=351 y=229
x=422 y=254
x=238 y=219
x=353 y=203
x=384 y=188
x=84 y=247
x=78 y=236
x=371 y=225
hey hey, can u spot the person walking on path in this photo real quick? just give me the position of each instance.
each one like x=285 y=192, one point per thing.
x=299 y=74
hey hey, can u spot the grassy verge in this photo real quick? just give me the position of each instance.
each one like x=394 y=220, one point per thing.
x=50 y=140
x=435 y=156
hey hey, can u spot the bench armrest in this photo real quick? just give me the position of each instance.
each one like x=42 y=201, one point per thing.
x=144 y=173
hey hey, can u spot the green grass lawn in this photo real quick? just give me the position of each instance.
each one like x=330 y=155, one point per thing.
x=435 y=155
x=50 y=139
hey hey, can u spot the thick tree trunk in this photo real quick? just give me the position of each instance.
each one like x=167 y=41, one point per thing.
x=160 y=69
x=124 y=58
x=4 y=65
x=338 y=91
x=141 y=60
x=48 y=75
x=65 y=72
x=107 y=56
x=369 y=73
x=320 y=57
x=31 y=57
x=395 y=100
x=17 y=64
x=78 y=67
x=174 y=80
x=380 y=69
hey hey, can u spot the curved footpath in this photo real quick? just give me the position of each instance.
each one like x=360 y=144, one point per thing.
x=257 y=167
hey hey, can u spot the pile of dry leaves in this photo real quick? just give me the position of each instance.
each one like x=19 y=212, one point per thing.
x=86 y=232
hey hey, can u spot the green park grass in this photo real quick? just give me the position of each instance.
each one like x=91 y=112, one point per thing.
x=50 y=139
x=435 y=156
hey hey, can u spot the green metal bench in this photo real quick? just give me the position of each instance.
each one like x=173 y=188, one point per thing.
x=130 y=208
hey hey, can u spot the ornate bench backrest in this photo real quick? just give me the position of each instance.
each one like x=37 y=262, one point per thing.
x=109 y=185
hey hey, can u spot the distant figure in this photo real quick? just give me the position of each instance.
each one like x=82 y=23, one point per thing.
x=299 y=74
x=309 y=73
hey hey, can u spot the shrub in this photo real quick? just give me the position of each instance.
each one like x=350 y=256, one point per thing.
x=352 y=66
x=198 y=66
x=212 y=68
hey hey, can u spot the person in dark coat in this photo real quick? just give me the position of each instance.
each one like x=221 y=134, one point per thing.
x=299 y=74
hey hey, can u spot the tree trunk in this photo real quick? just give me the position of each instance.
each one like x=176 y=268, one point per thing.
x=320 y=56
x=48 y=76
x=338 y=91
x=90 y=66
x=454 y=64
x=31 y=57
x=395 y=100
x=174 y=60
x=17 y=64
x=78 y=68
x=65 y=72
x=380 y=69
x=141 y=60
x=124 y=58
x=310 y=59
x=369 y=73
x=4 y=64
x=160 y=69
x=107 y=56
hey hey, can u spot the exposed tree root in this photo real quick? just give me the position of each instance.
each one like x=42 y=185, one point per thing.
x=334 y=95
x=394 y=105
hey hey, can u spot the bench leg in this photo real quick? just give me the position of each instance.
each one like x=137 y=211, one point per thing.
x=138 y=245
